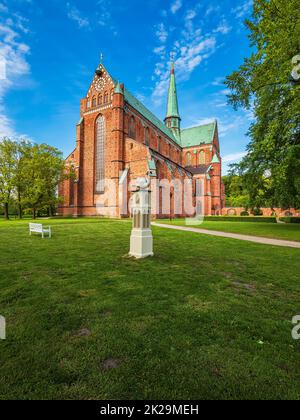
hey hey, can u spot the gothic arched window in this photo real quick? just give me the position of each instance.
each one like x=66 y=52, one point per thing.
x=147 y=137
x=188 y=159
x=94 y=102
x=105 y=97
x=100 y=99
x=132 y=128
x=99 y=155
x=202 y=158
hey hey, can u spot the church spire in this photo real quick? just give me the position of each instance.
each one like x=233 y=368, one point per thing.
x=173 y=119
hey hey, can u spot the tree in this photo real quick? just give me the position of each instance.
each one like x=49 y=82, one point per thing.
x=8 y=152
x=21 y=178
x=236 y=193
x=44 y=169
x=29 y=176
x=271 y=169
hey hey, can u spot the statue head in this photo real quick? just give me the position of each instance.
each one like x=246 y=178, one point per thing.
x=143 y=183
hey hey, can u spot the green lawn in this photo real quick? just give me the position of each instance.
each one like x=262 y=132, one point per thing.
x=206 y=318
x=287 y=231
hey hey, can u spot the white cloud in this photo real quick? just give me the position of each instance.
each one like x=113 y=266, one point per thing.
x=6 y=126
x=14 y=64
x=225 y=92
x=212 y=9
x=230 y=124
x=189 y=56
x=223 y=28
x=176 y=6
x=219 y=81
x=161 y=33
x=234 y=157
x=205 y=121
x=160 y=50
x=3 y=8
x=241 y=11
x=75 y=15
x=191 y=47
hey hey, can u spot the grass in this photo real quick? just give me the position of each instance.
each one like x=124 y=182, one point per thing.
x=206 y=318
x=284 y=231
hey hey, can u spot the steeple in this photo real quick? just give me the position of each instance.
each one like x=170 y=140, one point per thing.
x=173 y=119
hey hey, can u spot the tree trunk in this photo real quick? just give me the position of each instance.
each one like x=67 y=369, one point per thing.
x=20 y=212
x=6 y=215
x=34 y=214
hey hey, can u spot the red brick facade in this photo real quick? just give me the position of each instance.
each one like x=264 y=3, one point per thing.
x=135 y=145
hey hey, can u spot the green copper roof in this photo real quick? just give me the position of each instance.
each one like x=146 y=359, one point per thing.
x=118 y=88
x=195 y=136
x=136 y=104
x=215 y=159
x=172 y=107
x=151 y=165
x=171 y=168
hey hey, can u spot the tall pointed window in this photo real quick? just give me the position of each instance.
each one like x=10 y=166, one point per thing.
x=99 y=158
x=188 y=159
x=147 y=137
x=132 y=128
x=202 y=158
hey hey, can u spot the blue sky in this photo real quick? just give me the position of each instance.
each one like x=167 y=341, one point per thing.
x=52 y=47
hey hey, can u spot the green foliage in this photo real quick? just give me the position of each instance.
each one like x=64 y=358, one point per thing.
x=8 y=152
x=240 y=219
x=290 y=219
x=271 y=169
x=236 y=193
x=257 y=211
x=245 y=213
x=30 y=174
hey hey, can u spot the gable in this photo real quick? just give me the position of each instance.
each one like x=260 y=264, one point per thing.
x=195 y=136
x=102 y=84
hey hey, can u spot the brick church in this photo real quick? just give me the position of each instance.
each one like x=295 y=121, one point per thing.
x=119 y=140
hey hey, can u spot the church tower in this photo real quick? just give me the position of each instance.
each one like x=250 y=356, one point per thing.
x=173 y=119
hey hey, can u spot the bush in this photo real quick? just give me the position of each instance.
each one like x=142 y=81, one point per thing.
x=245 y=213
x=290 y=219
x=257 y=212
x=240 y=219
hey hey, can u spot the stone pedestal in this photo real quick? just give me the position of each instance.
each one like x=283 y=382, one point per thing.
x=141 y=241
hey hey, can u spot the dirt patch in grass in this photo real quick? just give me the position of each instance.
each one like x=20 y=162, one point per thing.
x=84 y=332
x=110 y=364
x=240 y=286
x=106 y=314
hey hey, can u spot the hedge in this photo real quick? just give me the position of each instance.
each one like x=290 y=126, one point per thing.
x=290 y=219
x=240 y=219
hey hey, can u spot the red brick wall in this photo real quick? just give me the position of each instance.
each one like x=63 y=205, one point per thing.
x=122 y=152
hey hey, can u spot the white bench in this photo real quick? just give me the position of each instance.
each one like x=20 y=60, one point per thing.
x=38 y=228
